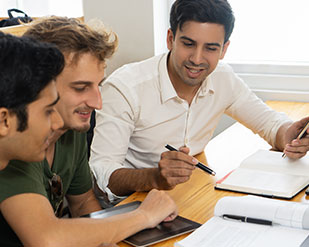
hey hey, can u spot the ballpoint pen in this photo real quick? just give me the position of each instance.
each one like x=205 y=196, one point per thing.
x=301 y=134
x=247 y=219
x=199 y=164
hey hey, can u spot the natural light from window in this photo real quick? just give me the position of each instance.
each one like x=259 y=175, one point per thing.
x=273 y=31
x=38 y=8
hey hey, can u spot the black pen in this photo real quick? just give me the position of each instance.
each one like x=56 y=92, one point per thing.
x=247 y=219
x=301 y=134
x=199 y=164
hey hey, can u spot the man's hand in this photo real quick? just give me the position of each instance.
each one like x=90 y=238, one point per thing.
x=158 y=206
x=296 y=148
x=175 y=168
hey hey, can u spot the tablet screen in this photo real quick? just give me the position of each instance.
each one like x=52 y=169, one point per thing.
x=163 y=231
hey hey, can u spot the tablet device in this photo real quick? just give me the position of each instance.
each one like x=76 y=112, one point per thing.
x=114 y=210
x=163 y=231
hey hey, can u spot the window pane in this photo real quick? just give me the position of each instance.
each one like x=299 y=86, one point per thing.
x=5 y=5
x=37 y=8
x=270 y=30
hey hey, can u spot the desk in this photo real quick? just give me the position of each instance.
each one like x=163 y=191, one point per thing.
x=197 y=198
x=17 y=30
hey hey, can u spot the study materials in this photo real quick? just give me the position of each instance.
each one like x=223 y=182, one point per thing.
x=163 y=231
x=289 y=224
x=247 y=219
x=265 y=173
x=199 y=164
x=301 y=134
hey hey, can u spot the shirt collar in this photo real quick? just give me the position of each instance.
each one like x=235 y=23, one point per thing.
x=207 y=87
x=166 y=86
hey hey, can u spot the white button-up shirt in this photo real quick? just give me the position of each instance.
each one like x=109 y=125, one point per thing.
x=142 y=112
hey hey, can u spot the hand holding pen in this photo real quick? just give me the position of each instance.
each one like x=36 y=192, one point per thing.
x=301 y=134
x=174 y=168
x=199 y=164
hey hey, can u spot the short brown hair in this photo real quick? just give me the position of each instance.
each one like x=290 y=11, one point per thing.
x=71 y=35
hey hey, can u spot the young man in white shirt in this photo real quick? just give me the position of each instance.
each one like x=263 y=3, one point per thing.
x=178 y=98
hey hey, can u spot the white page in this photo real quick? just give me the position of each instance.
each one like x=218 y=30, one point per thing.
x=273 y=161
x=263 y=182
x=279 y=212
x=221 y=233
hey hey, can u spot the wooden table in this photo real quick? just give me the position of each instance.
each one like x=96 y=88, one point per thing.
x=197 y=198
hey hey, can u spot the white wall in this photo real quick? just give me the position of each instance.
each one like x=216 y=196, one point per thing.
x=133 y=21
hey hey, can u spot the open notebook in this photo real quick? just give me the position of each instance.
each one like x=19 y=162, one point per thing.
x=266 y=173
x=289 y=224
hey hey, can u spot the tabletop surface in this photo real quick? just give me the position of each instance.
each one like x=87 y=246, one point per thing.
x=197 y=198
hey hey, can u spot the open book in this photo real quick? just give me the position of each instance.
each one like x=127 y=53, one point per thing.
x=267 y=173
x=289 y=224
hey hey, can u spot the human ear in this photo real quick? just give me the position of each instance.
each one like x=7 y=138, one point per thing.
x=4 y=121
x=170 y=39
x=225 y=46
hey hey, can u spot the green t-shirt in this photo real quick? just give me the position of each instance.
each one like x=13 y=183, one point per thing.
x=70 y=163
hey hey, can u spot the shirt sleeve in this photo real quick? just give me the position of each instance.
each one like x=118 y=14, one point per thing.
x=114 y=126
x=21 y=177
x=82 y=180
x=252 y=112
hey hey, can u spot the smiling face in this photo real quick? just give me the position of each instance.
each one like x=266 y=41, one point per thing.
x=78 y=86
x=30 y=145
x=195 y=51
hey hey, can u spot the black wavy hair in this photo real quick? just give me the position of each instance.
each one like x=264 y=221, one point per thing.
x=27 y=66
x=212 y=11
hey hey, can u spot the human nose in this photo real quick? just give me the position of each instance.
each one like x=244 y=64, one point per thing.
x=57 y=121
x=95 y=100
x=197 y=56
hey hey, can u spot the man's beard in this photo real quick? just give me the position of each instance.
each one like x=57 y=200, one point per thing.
x=83 y=128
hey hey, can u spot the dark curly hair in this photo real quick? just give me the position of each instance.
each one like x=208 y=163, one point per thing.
x=27 y=66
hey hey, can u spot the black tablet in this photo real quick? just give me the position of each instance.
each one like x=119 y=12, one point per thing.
x=163 y=231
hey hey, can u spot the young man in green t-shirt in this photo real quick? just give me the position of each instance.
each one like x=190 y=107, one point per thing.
x=27 y=98
x=29 y=205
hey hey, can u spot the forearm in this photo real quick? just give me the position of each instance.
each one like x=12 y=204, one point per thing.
x=83 y=204
x=92 y=232
x=126 y=181
x=85 y=208
x=48 y=230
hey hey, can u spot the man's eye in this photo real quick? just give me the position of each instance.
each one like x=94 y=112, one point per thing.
x=50 y=111
x=211 y=48
x=79 y=89
x=187 y=44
